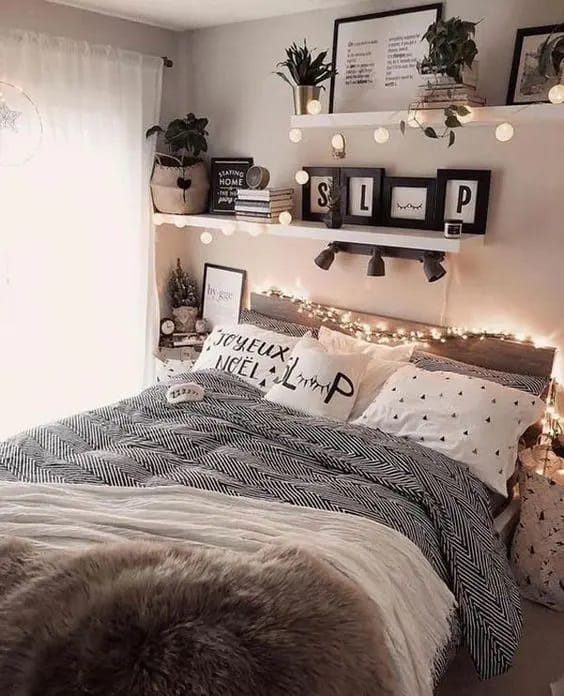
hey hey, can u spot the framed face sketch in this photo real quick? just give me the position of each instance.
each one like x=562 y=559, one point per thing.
x=527 y=85
x=409 y=202
x=222 y=294
x=463 y=194
x=315 y=193
x=362 y=195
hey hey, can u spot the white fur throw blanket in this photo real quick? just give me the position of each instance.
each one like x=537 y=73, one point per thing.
x=412 y=603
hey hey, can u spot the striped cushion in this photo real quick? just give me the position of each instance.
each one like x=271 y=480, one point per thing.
x=248 y=316
x=526 y=383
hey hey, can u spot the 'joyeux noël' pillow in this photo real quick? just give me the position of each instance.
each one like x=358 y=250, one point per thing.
x=471 y=420
x=320 y=383
x=256 y=355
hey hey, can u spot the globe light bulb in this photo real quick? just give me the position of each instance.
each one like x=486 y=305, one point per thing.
x=381 y=135
x=556 y=94
x=285 y=218
x=338 y=141
x=255 y=230
x=302 y=177
x=228 y=229
x=504 y=132
x=179 y=222
x=206 y=238
x=314 y=107
x=295 y=135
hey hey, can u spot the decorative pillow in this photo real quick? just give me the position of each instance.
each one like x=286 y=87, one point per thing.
x=527 y=383
x=337 y=341
x=320 y=383
x=256 y=355
x=471 y=420
x=249 y=316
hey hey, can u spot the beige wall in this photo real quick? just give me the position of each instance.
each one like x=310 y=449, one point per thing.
x=59 y=20
x=516 y=282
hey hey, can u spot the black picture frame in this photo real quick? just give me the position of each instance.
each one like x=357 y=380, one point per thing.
x=427 y=183
x=212 y=316
x=483 y=177
x=518 y=58
x=437 y=6
x=223 y=195
x=377 y=175
x=324 y=172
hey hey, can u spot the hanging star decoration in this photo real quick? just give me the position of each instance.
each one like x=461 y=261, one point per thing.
x=8 y=117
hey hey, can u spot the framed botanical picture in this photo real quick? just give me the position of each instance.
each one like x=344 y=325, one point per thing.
x=362 y=195
x=464 y=194
x=227 y=175
x=409 y=202
x=315 y=193
x=526 y=84
x=222 y=294
x=376 y=57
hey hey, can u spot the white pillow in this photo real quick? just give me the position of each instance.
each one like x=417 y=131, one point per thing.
x=337 y=341
x=256 y=355
x=472 y=420
x=320 y=383
x=377 y=372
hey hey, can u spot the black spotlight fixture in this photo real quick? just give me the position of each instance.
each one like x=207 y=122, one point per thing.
x=376 y=267
x=432 y=266
x=325 y=259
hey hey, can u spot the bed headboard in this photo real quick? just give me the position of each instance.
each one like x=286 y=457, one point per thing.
x=492 y=353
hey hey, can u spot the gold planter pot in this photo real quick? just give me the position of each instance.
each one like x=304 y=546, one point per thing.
x=303 y=94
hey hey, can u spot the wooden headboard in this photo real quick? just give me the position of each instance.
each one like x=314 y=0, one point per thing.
x=492 y=353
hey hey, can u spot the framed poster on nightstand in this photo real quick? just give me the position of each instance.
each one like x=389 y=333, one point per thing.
x=222 y=294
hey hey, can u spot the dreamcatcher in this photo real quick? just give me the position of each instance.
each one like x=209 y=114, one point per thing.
x=21 y=127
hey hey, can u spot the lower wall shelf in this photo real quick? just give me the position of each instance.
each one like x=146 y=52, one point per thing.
x=357 y=234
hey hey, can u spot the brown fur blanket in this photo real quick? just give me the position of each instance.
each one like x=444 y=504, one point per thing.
x=139 y=619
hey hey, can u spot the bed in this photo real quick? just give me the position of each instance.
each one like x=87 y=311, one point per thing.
x=411 y=527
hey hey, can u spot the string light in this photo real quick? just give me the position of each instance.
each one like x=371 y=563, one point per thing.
x=381 y=135
x=295 y=135
x=254 y=230
x=228 y=229
x=206 y=238
x=314 y=107
x=285 y=218
x=302 y=177
x=556 y=94
x=504 y=132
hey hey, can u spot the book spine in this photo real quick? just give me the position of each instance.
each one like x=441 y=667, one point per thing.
x=264 y=195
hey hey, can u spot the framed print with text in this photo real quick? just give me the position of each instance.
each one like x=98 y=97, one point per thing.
x=362 y=195
x=409 y=202
x=222 y=294
x=315 y=193
x=376 y=58
x=464 y=194
x=227 y=175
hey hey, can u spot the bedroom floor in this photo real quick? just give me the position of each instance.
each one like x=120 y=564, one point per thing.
x=539 y=662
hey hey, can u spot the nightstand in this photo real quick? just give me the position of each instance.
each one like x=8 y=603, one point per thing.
x=171 y=362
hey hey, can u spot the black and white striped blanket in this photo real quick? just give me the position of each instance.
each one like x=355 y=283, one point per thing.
x=236 y=443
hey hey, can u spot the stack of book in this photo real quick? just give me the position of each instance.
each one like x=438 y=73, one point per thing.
x=263 y=205
x=443 y=91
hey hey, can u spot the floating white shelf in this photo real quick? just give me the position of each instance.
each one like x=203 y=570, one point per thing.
x=522 y=114
x=359 y=234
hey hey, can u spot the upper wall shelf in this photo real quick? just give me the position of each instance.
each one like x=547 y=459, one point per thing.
x=353 y=234
x=523 y=114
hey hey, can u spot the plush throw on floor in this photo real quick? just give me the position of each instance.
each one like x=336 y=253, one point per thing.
x=145 y=619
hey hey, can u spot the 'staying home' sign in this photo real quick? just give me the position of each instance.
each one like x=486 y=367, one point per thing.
x=228 y=175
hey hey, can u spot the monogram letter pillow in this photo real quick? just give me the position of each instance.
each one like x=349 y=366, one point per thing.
x=255 y=355
x=320 y=383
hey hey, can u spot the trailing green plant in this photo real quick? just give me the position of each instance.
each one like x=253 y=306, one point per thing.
x=185 y=137
x=304 y=68
x=181 y=288
x=452 y=115
x=334 y=197
x=451 y=47
x=551 y=54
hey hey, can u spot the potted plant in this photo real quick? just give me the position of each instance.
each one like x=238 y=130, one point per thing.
x=306 y=73
x=183 y=297
x=334 y=217
x=180 y=182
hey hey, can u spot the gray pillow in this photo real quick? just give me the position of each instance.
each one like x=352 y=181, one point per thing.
x=435 y=363
x=288 y=328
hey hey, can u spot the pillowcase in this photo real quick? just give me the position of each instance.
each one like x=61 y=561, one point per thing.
x=377 y=372
x=320 y=383
x=337 y=341
x=249 y=316
x=255 y=355
x=527 y=383
x=472 y=420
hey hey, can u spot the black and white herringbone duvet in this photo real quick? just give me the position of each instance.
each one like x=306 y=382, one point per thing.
x=236 y=443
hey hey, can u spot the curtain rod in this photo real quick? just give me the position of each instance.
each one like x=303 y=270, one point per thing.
x=168 y=63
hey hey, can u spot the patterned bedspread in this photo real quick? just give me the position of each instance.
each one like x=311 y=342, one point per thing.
x=236 y=443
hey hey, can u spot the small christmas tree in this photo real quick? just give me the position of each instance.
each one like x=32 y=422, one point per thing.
x=181 y=288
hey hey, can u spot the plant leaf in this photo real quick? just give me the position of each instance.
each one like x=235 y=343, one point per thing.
x=461 y=110
x=402 y=127
x=430 y=132
x=153 y=130
x=451 y=138
x=284 y=77
x=452 y=122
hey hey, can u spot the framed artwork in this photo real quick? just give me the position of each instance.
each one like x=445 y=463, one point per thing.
x=222 y=294
x=464 y=194
x=227 y=175
x=409 y=202
x=315 y=193
x=362 y=195
x=526 y=84
x=376 y=57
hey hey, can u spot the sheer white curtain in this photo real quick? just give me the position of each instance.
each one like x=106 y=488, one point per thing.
x=76 y=248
